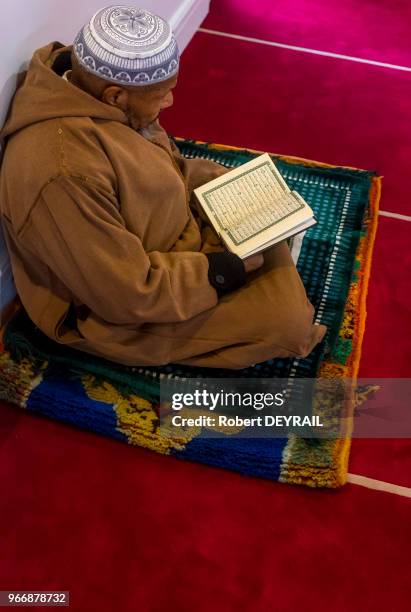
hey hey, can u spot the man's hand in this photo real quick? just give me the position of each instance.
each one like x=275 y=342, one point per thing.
x=253 y=262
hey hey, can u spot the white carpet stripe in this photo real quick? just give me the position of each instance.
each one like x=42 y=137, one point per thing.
x=379 y=485
x=270 y=43
x=385 y=213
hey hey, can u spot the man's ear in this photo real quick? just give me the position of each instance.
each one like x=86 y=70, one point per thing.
x=115 y=96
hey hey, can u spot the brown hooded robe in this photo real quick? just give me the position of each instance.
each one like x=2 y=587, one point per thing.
x=99 y=222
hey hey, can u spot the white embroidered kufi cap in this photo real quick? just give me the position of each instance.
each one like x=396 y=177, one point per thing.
x=128 y=45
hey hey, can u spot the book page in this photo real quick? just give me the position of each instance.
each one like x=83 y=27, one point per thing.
x=253 y=201
x=251 y=205
x=257 y=220
x=257 y=246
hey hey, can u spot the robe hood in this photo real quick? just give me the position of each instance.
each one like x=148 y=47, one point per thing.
x=44 y=95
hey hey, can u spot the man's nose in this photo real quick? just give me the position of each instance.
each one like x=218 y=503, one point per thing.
x=168 y=101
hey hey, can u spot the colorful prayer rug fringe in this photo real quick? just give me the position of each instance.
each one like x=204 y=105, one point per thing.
x=122 y=402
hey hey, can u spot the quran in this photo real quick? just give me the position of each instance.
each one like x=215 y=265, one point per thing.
x=252 y=208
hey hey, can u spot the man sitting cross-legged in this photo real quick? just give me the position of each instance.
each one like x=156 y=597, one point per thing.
x=109 y=252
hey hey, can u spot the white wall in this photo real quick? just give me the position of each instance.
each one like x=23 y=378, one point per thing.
x=30 y=24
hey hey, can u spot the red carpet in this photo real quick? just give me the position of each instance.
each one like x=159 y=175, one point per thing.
x=297 y=104
x=387 y=344
x=124 y=529
x=377 y=31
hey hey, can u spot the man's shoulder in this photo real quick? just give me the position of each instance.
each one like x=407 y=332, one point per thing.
x=69 y=145
x=37 y=154
x=45 y=136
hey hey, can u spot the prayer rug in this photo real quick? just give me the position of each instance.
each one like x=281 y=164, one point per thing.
x=122 y=402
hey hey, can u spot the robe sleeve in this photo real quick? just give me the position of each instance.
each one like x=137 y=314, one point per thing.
x=197 y=172
x=77 y=230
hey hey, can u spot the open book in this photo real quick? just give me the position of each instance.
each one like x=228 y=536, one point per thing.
x=251 y=207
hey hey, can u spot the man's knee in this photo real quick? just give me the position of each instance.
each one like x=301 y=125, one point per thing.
x=301 y=335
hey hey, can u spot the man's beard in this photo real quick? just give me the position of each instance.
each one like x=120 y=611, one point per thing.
x=134 y=122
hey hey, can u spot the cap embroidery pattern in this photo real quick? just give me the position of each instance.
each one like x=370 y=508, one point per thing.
x=129 y=45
